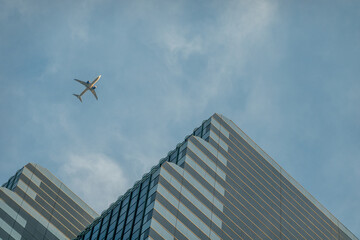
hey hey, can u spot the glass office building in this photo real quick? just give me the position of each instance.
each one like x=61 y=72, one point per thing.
x=217 y=184
x=34 y=204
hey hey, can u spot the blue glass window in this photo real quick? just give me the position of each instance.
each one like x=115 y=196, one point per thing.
x=118 y=235
x=145 y=184
x=130 y=217
x=87 y=236
x=133 y=200
x=173 y=156
x=135 y=235
x=127 y=228
x=132 y=209
x=123 y=210
x=120 y=226
x=95 y=235
x=136 y=191
x=110 y=235
x=125 y=201
x=198 y=132
x=112 y=226
x=127 y=235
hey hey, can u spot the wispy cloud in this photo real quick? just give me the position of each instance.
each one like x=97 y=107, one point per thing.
x=96 y=178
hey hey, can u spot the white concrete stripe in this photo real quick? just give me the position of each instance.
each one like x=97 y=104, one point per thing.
x=220 y=128
x=288 y=176
x=185 y=231
x=157 y=227
x=16 y=198
x=165 y=213
x=187 y=194
x=203 y=191
x=194 y=219
x=211 y=149
x=31 y=176
x=66 y=190
x=217 y=139
x=205 y=175
x=31 y=193
x=11 y=212
x=206 y=160
x=9 y=230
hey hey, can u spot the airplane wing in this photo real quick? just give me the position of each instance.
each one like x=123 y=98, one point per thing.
x=93 y=92
x=82 y=82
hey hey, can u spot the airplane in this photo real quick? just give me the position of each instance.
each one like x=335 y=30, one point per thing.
x=89 y=86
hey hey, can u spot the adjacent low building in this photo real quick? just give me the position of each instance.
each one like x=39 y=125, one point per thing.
x=34 y=204
x=217 y=184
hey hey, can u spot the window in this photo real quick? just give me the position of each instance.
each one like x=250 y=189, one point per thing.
x=197 y=132
x=110 y=235
x=112 y=227
x=114 y=218
x=181 y=161
x=154 y=181
x=95 y=235
x=145 y=183
x=118 y=235
x=136 y=191
x=132 y=209
x=143 y=192
x=182 y=153
x=115 y=211
x=137 y=226
x=127 y=235
x=134 y=200
x=142 y=200
x=148 y=216
x=151 y=198
x=173 y=156
x=97 y=226
x=138 y=217
x=130 y=218
x=125 y=201
x=140 y=208
x=87 y=236
x=152 y=190
x=122 y=218
x=150 y=207
x=135 y=235
x=123 y=210
x=120 y=226
x=146 y=232
x=102 y=236
x=127 y=228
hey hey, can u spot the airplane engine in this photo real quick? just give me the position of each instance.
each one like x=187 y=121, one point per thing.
x=94 y=87
x=88 y=82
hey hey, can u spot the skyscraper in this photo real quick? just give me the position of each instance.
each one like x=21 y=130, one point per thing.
x=217 y=184
x=34 y=204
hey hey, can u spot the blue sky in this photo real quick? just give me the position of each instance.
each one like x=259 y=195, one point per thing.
x=286 y=72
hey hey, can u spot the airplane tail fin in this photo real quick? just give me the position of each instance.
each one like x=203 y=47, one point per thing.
x=78 y=96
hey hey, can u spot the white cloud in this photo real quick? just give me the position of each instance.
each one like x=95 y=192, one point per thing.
x=96 y=178
x=228 y=44
x=178 y=46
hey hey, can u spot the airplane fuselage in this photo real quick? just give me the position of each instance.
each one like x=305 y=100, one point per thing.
x=94 y=82
x=88 y=86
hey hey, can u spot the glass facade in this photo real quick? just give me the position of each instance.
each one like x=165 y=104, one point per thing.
x=12 y=182
x=217 y=184
x=130 y=216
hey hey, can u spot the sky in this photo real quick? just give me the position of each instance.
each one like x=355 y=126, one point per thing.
x=286 y=72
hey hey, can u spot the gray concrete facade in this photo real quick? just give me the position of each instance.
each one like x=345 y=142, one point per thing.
x=217 y=184
x=34 y=204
